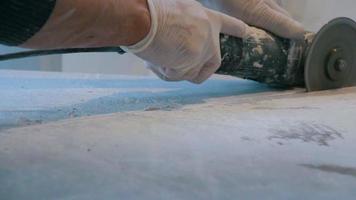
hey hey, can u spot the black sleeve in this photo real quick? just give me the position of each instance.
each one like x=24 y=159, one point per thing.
x=21 y=19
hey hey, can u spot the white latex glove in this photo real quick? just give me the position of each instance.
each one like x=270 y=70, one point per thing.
x=183 y=43
x=266 y=14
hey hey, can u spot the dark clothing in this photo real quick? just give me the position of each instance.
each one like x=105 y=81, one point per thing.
x=21 y=19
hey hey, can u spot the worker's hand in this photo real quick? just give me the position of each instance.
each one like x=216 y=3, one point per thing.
x=266 y=14
x=183 y=43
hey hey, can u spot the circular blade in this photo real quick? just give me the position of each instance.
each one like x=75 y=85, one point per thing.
x=331 y=59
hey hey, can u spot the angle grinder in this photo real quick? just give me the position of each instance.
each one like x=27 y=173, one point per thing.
x=322 y=61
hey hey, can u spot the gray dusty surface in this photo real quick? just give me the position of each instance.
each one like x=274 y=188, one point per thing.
x=226 y=139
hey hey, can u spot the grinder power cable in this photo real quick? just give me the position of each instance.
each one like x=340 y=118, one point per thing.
x=322 y=61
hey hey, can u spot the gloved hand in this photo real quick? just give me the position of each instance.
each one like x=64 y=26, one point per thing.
x=266 y=14
x=183 y=43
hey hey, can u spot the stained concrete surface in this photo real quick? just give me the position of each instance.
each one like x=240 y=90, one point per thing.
x=39 y=97
x=226 y=139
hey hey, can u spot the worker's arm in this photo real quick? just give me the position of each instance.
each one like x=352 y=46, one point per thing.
x=266 y=14
x=91 y=23
x=178 y=38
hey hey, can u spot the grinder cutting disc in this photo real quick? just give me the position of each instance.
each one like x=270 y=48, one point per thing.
x=331 y=59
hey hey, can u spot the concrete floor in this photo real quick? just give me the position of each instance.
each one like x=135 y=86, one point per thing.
x=146 y=139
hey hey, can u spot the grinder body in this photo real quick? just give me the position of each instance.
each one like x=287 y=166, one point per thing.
x=265 y=58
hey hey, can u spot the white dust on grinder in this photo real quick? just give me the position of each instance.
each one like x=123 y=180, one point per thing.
x=259 y=35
